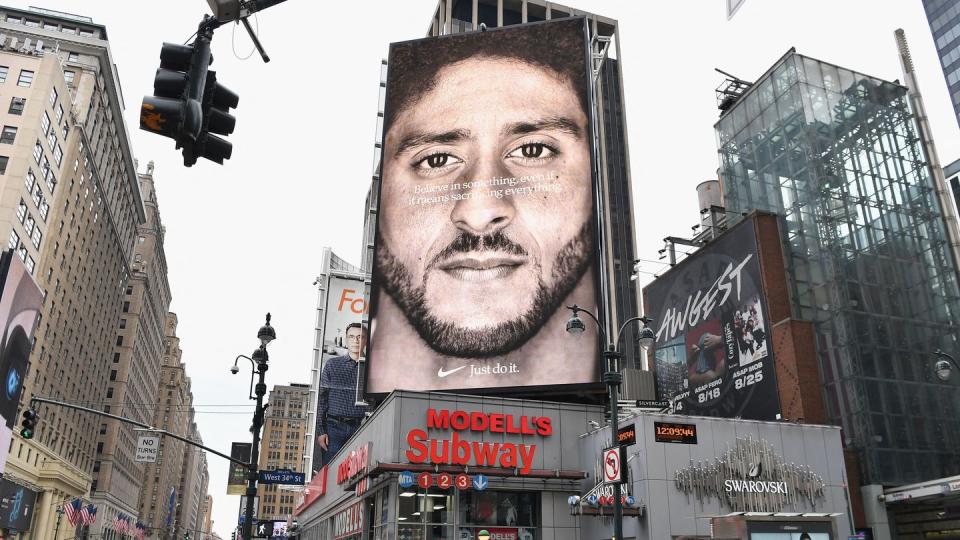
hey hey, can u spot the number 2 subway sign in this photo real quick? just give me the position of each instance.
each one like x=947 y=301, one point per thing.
x=450 y=439
x=713 y=355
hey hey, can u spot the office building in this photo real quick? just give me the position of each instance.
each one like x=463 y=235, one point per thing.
x=837 y=155
x=135 y=369
x=191 y=495
x=70 y=209
x=161 y=495
x=282 y=447
x=944 y=19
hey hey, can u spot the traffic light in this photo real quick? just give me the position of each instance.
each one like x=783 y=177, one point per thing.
x=28 y=424
x=186 y=536
x=170 y=111
x=188 y=104
x=216 y=119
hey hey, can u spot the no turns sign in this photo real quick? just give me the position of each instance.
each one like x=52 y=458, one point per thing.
x=612 y=465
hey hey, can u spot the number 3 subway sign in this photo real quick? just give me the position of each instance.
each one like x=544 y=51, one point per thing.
x=712 y=352
x=448 y=441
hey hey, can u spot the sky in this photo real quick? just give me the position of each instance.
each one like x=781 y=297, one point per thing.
x=246 y=238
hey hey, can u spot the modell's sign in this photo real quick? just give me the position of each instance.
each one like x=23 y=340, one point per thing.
x=354 y=464
x=457 y=450
x=349 y=521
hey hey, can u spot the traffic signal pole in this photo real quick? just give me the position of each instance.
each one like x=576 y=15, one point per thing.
x=144 y=427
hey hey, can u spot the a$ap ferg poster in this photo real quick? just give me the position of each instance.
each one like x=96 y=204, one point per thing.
x=712 y=352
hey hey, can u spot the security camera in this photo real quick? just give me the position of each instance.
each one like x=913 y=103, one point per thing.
x=234 y=369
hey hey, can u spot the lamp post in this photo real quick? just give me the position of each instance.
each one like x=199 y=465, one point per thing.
x=945 y=365
x=56 y=530
x=259 y=361
x=612 y=377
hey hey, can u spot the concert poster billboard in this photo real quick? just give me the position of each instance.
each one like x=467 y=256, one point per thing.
x=487 y=214
x=712 y=352
x=20 y=303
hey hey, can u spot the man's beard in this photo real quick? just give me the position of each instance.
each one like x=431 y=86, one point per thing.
x=569 y=266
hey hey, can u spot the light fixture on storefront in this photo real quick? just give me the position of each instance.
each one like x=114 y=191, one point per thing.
x=945 y=365
x=575 y=324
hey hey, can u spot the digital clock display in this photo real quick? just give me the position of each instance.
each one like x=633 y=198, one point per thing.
x=675 y=433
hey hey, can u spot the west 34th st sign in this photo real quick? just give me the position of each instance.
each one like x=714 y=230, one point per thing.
x=282 y=477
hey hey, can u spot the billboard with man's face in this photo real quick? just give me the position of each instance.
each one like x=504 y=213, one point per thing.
x=20 y=304
x=486 y=225
x=712 y=352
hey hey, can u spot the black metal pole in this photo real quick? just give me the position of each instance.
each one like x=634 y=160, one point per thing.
x=56 y=530
x=612 y=378
x=252 y=469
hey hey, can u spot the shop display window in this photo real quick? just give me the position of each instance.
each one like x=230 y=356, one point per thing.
x=425 y=514
x=436 y=514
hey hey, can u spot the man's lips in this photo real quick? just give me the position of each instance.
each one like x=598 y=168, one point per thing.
x=481 y=268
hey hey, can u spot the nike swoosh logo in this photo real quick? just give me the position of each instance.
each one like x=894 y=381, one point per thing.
x=441 y=373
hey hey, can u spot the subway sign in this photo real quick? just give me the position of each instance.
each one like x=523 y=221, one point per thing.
x=457 y=450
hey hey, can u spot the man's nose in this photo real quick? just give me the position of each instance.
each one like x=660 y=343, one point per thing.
x=481 y=211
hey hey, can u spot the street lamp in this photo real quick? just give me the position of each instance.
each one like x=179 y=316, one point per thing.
x=259 y=365
x=945 y=365
x=612 y=378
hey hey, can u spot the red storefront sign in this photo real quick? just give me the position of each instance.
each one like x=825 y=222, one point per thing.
x=457 y=451
x=354 y=464
x=349 y=521
x=314 y=490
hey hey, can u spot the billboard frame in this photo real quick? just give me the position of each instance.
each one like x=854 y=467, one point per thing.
x=601 y=285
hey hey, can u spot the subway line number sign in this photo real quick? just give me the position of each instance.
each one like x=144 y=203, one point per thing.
x=612 y=465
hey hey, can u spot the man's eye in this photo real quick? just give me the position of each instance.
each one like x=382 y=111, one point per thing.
x=436 y=161
x=532 y=151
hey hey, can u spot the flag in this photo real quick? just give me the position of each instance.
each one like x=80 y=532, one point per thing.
x=84 y=515
x=72 y=510
x=118 y=522
x=126 y=525
x=170 y=501
x=91 y=514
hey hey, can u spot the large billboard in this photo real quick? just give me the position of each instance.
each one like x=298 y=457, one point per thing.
x=339 y=403
x=20 y=304
x=486 y=221
x=16 y=505
x=712 y=353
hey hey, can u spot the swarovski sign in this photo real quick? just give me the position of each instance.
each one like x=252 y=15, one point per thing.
x=751 y=477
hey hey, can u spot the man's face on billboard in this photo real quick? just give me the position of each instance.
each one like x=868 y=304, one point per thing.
x=479 y=273
x=356 y=341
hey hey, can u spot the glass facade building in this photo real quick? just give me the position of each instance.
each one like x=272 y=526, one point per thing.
x=837 y=156
x=944 y=19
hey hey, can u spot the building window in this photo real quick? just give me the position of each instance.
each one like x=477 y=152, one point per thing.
x=32 y=23
x=109 y=393
x=53 y=95
x=8 y=135
x=113 y=374
x=86 y=33
x=68 y=30
x=37 y=237
x=37 y=196
x=26 y=78
x=68 y=76
x=29 y=263
x=58 y=155
x=30 y=180
x=119 y=341
x=73 y=57
x=44 y=210
x=59 y=113
x=17 y=104
x=37 y=151
x=29 y=223
x=116 y=358
x=123 y=323
x=126 y=307
x=52 y=139
x=129 y=290
x=3 y=73
x=14 y=240
x=99 y=447
x=22 y=211
x=3 y=164
x=45 y=123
